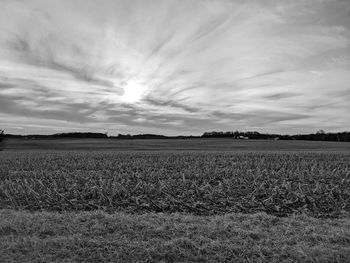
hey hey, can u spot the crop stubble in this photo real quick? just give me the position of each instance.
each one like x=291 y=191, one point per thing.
x=202 y=183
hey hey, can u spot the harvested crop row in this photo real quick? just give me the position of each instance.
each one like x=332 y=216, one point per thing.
x=200 y=183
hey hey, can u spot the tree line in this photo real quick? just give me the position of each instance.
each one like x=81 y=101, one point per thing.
x=59 y=135
x=318 y=136
x=1 y=140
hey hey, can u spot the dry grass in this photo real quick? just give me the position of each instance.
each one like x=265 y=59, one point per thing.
x=100 y=237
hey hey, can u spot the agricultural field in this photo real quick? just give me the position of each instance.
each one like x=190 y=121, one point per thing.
x=215 y=144
x=203 y=183
x=158 y=204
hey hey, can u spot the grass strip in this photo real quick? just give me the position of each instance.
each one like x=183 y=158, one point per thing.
x=158 y=237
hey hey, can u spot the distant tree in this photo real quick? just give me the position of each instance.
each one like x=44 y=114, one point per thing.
x=76 y=135
x=1 y=140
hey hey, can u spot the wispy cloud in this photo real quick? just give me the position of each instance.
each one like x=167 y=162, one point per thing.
x=169 y=66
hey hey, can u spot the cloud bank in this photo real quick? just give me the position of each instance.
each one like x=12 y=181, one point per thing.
x=174 y=67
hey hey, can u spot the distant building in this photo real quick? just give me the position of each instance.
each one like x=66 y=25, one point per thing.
x=243 y=138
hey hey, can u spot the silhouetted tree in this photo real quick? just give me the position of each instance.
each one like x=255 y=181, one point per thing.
x=78 y=135
x=318 y=136
x=1 y=140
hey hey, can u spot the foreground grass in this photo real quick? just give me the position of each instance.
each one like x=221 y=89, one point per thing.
x=119 y=237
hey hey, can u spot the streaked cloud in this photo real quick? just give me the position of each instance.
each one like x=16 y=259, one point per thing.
x=172 y=67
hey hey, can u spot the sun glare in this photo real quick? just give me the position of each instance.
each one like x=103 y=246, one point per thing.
x=133 y=91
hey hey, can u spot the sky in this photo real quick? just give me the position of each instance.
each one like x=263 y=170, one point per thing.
x=174 y=66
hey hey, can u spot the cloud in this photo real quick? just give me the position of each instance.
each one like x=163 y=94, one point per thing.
x=170 y=103
x=284 y=95
x=82 y=72
x=166 y=66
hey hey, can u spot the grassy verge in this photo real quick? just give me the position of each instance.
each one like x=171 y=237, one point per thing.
x=119 y=237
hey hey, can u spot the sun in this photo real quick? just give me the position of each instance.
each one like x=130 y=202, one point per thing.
x=133 y=91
